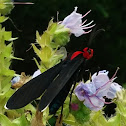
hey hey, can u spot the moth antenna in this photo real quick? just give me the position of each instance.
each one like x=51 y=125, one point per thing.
x=94 y=34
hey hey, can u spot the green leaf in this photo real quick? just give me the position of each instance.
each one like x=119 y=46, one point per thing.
x=12 y=114
x=7 y=72
x=70 y=120
x=6 y=8
x=52 y=27
x=46 y=55
x=55 y=59
x=21 y=121
x=7 y=35
x=5 y=84
x=12 y=39
x=45 y=40
x=2 y=5
x=115 y=121
x=4 y=121
x=38 y=37
x=61 y=38
x=12 y=57
x=3 y=18
x=97 y=119
x=37 y=51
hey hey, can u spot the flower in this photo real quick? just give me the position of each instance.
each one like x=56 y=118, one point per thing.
x=92 y=93
x=75 y=24
x=36 y=73
x=15 y=80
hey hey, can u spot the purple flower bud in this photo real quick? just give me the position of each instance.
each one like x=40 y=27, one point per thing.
x=74 y=106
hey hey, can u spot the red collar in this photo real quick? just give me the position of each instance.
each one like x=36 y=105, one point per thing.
x=87 y=53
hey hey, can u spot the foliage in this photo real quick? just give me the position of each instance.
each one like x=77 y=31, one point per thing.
x=48 y=43
x=6 y=6
x=18 y=117
x=6 y=74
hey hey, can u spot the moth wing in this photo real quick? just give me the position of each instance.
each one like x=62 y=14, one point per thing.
x=63 y=77
x=33 y=89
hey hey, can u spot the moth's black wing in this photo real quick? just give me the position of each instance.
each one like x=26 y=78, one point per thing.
x=58 y=101
x=60 y=81
x=33 y=89
x=60 y=98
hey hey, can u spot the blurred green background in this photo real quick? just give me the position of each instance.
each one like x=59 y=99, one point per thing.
x=109 y=46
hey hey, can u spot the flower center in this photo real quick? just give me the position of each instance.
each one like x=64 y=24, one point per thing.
x=82 y=92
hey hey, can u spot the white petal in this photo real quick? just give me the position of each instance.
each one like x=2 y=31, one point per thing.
x=90 y=88
x=79 y=91
x=36 y=73
x=77 y=31
x=110 y=95
x=115 y=87
x=99 y=72
x=100 y=79
x=72 y=19
x=103 y=90
x=94 y=103
x=81 y=98
x=15 y=80
x=97 y=102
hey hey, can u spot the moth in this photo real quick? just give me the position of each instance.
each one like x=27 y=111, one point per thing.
x=54 y=84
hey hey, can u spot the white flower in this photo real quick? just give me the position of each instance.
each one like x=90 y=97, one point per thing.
x=75 y=24
x=93 y=93
x=86 y=92
x=15 y=80
x=104 y=85
x=36 y=73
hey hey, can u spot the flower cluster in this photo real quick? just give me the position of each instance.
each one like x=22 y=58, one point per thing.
x=93 y=93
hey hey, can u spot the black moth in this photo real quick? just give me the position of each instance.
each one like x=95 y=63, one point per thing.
x=54 y=84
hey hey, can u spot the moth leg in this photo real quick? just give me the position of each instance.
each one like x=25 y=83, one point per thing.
x=61 y=115
x=71 y=95
x=76 y=75
x=60 y=118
